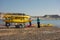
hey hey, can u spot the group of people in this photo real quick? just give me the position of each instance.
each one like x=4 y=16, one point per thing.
x=38 y=22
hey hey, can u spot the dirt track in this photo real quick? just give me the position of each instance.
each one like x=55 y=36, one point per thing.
x=44 y=33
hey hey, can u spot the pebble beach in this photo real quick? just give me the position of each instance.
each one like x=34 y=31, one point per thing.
x=43 y=33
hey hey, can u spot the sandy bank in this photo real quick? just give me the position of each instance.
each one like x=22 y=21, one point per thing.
x=43 y=33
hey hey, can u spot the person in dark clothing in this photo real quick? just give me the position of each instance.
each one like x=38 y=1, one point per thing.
x=38 y=22
x=30 y=22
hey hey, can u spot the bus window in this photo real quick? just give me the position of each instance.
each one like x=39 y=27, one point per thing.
x=22 y=18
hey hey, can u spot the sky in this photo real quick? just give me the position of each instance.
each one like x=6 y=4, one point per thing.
x=31 y=7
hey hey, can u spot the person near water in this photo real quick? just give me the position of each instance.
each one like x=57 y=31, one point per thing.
x=30 y=22
x=38 y=22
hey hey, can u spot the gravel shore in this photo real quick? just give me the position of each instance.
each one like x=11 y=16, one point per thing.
x=43 y=33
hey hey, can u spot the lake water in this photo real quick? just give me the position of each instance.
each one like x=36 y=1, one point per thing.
x=54 y=22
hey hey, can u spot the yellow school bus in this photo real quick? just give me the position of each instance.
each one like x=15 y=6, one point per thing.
x=15 y=18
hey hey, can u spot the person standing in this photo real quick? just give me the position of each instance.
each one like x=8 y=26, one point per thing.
x=30 y=22
x=38 y=22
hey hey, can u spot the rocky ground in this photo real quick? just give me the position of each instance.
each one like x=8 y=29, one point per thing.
x=43 y=33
